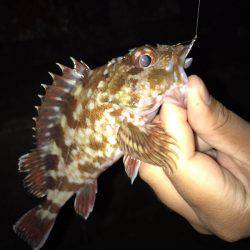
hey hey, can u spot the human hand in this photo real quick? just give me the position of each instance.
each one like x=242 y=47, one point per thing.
x=210 y=186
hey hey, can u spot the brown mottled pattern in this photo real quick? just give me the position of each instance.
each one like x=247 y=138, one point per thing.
x=68 y=186
x=135 y=98
x=73 y=102
x=52 y=207
x=51 y=182
x=95 y=114
x=158 y=77
x=81 y=124
x=132 y=116
x=101 y=160
x=135 y=71
x=95 y=144
x=133 y=83
x=116 y=84
x=60 y=142
x=82 y=119
x=95 y=78
x=83 y=153
x=52 y=160
x=101 y=108
x=88 y=168
x=116 y=113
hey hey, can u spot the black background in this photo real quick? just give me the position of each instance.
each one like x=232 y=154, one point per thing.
x=36 y=34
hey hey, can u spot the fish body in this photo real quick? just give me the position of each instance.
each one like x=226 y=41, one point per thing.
x=89 y=119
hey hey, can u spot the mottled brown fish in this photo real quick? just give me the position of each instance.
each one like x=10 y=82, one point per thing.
x=88 y=119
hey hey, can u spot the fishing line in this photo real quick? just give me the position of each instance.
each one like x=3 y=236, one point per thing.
x=192 y=41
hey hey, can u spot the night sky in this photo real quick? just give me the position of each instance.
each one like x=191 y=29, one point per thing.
x=36 y=34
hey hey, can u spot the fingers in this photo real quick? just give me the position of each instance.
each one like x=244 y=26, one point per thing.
x=164 y=189
x=201 y=145
x=209 y=193
x=216 y=125
x=175 y=123
x=214 y=194
x=197 y=176
x=174 y=119
x=156 y=178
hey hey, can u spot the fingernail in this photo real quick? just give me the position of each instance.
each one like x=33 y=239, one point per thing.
x=205 y=96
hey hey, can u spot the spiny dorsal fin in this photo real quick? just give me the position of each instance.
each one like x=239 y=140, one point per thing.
x=57 y=102
x=57 y=98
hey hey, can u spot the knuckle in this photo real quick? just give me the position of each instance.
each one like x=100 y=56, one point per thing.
x=221 y=117
x=231 y=232
x=229 y=237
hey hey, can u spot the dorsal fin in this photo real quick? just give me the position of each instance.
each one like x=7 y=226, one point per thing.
x=58 y=101
x=57 y=98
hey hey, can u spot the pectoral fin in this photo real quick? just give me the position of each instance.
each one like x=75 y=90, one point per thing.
x=148 y=143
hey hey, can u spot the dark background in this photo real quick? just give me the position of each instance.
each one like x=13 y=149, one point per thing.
x=36 y=34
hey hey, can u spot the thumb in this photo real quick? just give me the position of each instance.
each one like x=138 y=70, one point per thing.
x=215 y=124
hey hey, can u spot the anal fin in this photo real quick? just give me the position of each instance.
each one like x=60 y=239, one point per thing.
x=85 y=199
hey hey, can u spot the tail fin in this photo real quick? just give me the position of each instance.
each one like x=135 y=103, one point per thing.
x=34 y=227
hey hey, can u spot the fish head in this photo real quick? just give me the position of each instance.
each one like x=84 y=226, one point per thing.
x=151 y=74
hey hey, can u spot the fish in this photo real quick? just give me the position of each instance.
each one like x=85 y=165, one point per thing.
x=89 y=119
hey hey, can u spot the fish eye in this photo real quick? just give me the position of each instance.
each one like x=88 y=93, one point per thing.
x=145 y=60
x=145 y=57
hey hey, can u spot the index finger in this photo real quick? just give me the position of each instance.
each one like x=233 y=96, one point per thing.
x=215 y=124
